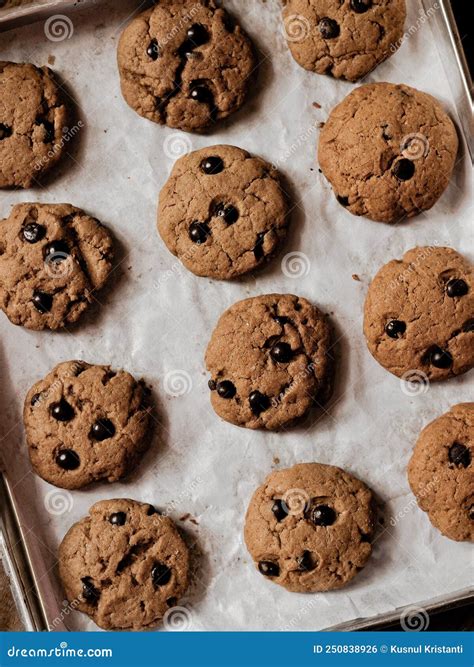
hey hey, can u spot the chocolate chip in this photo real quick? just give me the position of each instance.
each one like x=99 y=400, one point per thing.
x=102 y=429
x=281 y=353
x=281 y=320
x=172 y=602
x=328 y=28
x=56 y=251
x=197 y=35
x=152 y=510
x=395 y=328
x=212 y=165
x=5 y=131
x=153 y=50
x=67 y=459
x=62 y=411
x=456 y=287
x=468 y=326
x=439 y=358
x=160 y=574
x=33 y=232
x=212 y=385
x=305 y=562
x=268 y=568
x=201 y=93
x=89 y=591
x=459 y=455
x=229 y=213
x=322 y=515
x=403 y=169
x=42 y=302
x=226 y=389
x=361 y=6
x=344 y=201
x=258 y=247
x=279 y=509
x=199 y=232
x=36 y=398
x=118 y=518
x=258 y=402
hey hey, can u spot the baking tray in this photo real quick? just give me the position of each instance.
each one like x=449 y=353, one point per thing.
x=29 y=588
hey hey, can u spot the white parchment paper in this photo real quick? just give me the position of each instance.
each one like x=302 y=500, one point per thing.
x=156 y=319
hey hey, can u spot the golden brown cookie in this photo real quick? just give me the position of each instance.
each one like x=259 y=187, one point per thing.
x=343 y=38
x=124 y=565
x=270 y=359
x=419 y=314
x=388 y=151
x=33 y=119
x=53 y=257
x=185 y=64
x=86 y=423
x=441 y=473
x=222 y=212
x=309 y=528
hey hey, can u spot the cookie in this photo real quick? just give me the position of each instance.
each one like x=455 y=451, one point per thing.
x=33 y=119
x=124 y=565
x=309 y=528
x=85 y=423
x=53 y=257
x=270 y=359
x=388 y=151
x=222 y=212
x=343 y=38
x=185 y=64
x=441 y=474
x=419 y=315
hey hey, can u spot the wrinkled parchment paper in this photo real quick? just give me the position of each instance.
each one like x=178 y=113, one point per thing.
x=156 y=319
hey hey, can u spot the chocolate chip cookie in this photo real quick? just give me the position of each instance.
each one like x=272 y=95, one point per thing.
x=186 y=64
x=419 y=314
x=124 y=565
x=222 y=212
x=270 y=361
x=388 y=151
x=309 y=528
x=86 y=423
x=53 y=257
x=33 y=119
x=343 y=38
x=441 y=474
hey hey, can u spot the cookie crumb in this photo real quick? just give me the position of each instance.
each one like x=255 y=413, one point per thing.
x=355 y=277
x=51 y=59
x=316 y=105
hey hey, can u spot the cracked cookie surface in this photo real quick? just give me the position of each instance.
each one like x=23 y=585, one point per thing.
x=343 y=38
x=33 y=116
x=309 y=528
x=52 y=258
x=419 y=314
x=222 y=212
x=185 y=64
x=124 y=565
x=441 y=474
x=86 y=423
x=388 y=151
x=270 y=361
